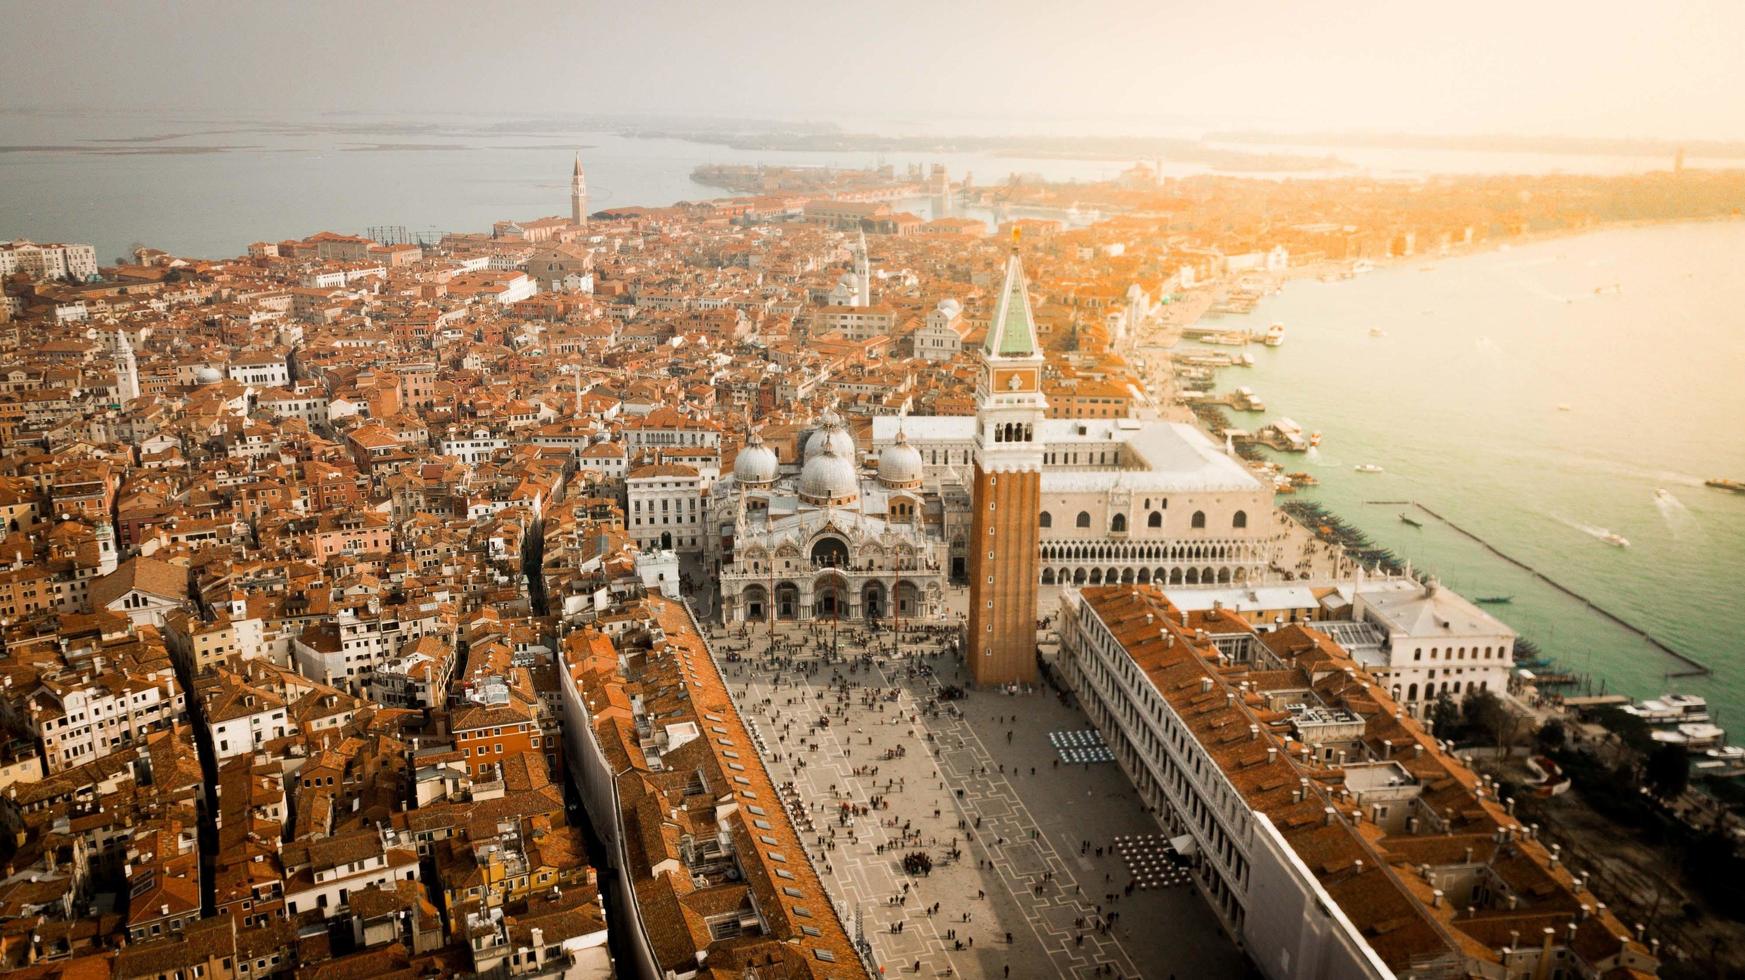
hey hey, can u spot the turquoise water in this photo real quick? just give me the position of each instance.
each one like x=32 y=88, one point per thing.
x=1459 y=403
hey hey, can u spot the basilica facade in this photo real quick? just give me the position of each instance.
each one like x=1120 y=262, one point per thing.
x=828 y=540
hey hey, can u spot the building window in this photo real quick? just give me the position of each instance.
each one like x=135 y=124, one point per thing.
x=1084 y=518
x=1155 y=520
x=1240 y=520
x=1199 y=520
x=1047 y=519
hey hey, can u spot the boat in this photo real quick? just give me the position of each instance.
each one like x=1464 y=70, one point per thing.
x=1314 y=439
x=1283 y=435
x=1616 y=540
x=1408 y=520
x=1377 y=332
x=1563 y=407
x=1494 y=600
x=1243 y=399
x=1720 y=484
x=1227 y=339
x=1275 y=335
x=1671 y=710
x=1304 y=479
x=1362 y=265
x=1244 y=359
x=1367 y=468
x=1661 y=493
x=1692 y=735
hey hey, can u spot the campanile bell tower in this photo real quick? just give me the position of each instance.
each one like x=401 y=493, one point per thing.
x=578 y=194
x=1005 y=534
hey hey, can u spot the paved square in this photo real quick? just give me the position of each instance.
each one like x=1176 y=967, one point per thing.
x=1027 y=875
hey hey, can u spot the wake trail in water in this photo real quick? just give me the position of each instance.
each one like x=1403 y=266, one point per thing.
x=1673 y=511
x=1593 y=530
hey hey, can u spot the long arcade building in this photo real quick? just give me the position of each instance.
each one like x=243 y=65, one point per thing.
x=711 y=880
x=1333 y=837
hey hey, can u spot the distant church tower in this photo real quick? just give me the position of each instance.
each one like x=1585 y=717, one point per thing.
x=1005 y=530
x=127 y=368
x=579 y=194
x=939 y=183
x=863 y=268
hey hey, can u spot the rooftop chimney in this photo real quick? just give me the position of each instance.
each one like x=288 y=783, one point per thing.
x=1436 y=898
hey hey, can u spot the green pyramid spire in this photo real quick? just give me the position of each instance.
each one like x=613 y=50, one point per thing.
x=1013 y=331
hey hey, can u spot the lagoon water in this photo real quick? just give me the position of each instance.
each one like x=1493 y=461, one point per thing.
x=207 y=186
x=1460 y=404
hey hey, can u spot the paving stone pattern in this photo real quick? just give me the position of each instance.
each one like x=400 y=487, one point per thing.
x=1026 y=840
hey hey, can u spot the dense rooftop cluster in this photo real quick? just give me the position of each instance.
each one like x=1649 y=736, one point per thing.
x=316 y=563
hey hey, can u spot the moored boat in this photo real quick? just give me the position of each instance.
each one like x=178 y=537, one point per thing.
x=1671 y=709
x=1723 y=484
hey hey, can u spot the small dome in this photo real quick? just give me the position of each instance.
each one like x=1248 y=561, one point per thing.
x=900 y=465
x=829 y=478
x=207 y=376
x=832 y=433
x=756 y=463
x=950 y=307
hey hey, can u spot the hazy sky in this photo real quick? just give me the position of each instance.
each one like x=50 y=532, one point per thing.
x=1603 y=68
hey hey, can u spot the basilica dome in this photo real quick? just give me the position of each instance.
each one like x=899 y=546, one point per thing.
x=756 y=463
x=829 y=478
x=833 y=433
x=207 y=376
x=900 y=465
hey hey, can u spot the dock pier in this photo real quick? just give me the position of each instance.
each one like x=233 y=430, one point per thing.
x=1692 y=667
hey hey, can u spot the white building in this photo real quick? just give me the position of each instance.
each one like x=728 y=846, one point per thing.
x=322 y=874
x=48 y=261
x=260 y=370
x=940 y=336
x=472 y=447
x=1122 y=500
x=659 y=572
x=1432 y=641
x=80 y=720
x=666 y=508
